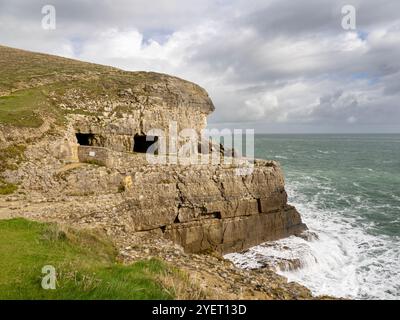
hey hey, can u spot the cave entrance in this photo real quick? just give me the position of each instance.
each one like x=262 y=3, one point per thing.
x=141 y=143
x=85 y=139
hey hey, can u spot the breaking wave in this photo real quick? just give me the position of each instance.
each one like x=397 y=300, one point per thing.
x=345 y=261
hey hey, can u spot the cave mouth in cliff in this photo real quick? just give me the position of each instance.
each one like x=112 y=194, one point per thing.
x=141 y=143
x=85 y=139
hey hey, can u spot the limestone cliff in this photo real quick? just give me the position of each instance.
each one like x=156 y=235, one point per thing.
x=71 y=140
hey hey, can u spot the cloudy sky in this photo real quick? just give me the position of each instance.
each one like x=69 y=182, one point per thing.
x=279 y=66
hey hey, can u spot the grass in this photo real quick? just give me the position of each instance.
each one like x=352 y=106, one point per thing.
x=27 y=79
x=24 y=108
x=20 y=109
x=85 y=263
x=11 y=156
x=7 y=188
x=34 y=84
x=23 y=68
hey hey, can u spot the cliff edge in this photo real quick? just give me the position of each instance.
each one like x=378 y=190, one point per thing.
x=73 y=141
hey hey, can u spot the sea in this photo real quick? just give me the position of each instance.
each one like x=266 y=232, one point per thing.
x=347 y=189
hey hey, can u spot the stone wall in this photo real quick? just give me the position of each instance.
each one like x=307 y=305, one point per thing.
x=95 y=155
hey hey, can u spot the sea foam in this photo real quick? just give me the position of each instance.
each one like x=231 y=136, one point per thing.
x=345 y=261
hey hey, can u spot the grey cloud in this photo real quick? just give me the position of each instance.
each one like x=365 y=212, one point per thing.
x=142 y=14
x=276 y=64
x=336 y=107
x=392 y=85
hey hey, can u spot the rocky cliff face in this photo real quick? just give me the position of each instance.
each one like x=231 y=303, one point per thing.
x=103 y=183
x=200 y=207
x=226 y=212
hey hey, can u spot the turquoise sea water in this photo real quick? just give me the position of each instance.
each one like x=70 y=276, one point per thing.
x=347 y=189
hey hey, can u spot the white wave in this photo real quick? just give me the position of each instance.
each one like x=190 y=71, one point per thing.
x=326 y=151
x=395 y=197
x=281 y=157
x=347 y=256
x=345 y=261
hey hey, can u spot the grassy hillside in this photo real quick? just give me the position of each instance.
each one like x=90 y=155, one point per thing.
x=31 y=82
x=21 y=108
x=25 y=69
x=85 y=263
x=26 y=79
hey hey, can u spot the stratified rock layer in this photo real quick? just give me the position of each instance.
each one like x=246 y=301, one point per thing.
x=211 y=207
x=200 y=207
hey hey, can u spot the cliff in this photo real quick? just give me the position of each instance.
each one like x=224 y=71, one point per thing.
x=71 y=140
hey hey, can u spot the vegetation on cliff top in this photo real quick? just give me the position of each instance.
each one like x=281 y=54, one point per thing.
x=28 y=81
x=21 y=108
x=23 y=77
x=85 y=263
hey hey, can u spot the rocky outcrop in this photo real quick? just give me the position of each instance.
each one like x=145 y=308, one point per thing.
x=202 y=208
x=212 y=207
x=217 y=277
x=81 y=165
x=136 y=110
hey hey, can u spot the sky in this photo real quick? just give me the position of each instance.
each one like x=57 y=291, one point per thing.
x=276 y=66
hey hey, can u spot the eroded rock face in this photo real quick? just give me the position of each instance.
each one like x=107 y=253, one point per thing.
x=148 y=105
x=201 y=207
x=226 y=213
x=104 y=183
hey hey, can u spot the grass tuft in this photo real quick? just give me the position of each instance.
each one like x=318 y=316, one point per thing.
x=7 y=188
x=85 y=262
x=11 y=156
x=20 y=108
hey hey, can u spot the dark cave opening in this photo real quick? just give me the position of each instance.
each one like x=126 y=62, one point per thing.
x=85 y=139
x=141 y=143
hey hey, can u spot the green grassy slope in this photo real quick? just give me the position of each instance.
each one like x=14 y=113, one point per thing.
x=28 y=80
x=19 y=108
x=25 y=69
x=85 y=263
